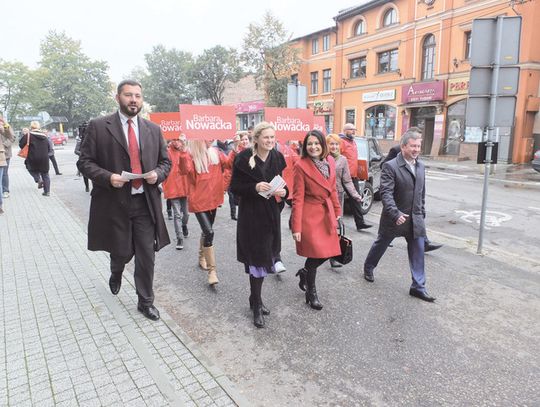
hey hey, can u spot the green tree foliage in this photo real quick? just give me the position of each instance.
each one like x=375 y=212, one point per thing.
x=76 y=87
x=17 y=86
x=168 y=81
x=268 y=53
x=213 y=69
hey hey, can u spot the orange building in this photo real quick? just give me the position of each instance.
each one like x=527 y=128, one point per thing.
x=388 y=65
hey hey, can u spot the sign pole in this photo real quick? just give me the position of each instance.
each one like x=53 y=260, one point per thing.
x=490 y=130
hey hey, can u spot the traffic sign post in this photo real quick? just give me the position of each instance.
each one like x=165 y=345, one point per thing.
x=493 y=85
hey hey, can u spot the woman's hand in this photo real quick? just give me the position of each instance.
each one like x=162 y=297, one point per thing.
x=263 y=187
x=280 y=192
x=297 y=237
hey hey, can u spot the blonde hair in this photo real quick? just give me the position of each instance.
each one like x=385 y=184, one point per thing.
x=333 y=137
x=259 y=128
x=203 y=157
x=34 y=125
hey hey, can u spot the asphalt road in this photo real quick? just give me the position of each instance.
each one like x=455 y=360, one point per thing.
x=372 y=344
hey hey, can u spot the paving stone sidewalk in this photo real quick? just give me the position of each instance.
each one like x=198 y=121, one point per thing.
x=67 y=340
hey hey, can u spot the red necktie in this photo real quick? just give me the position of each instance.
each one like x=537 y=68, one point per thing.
x=134 y=155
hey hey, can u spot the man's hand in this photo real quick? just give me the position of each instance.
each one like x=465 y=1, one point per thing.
x=263 y=187
x=402 y=219
x=152 y=177
x=117 y=181
x=280 y=192
x=297 y=237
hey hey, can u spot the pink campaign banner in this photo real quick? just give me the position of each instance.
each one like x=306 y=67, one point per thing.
x=249 y=107
x=290 y=124
x=422 y=92
x=169 y=124
x=319 y=124
x=205 y=122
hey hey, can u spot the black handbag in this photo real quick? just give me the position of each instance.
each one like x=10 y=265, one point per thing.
x=345 y=245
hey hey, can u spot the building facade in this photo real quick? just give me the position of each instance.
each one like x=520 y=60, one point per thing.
x=388 y=65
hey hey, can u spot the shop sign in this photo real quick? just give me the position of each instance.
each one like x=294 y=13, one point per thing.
x=208 y=122
x=249 y=107
x=379 y=96
x=422 y=92
x=290 y=124
x=458 y=86
x=169 y=123
x=323 y=107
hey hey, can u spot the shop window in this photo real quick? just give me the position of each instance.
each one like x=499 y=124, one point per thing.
x=315 y=46
x=381 y=122
x=294 y=79
x=326 y=42
x=360 y=28
x=468 y=37
x=358 y=67
x=428 y=57
x=350 y=116
x=390 y=17
x=314 y=83
x=387 y=61
x=327 y=80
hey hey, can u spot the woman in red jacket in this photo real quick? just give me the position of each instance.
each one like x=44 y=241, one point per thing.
x=315 y=211
x=204 y=166
x=175 y=189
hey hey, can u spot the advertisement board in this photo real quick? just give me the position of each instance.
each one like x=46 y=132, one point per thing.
x=290 y=124
x=169 y=123
x=208 y=122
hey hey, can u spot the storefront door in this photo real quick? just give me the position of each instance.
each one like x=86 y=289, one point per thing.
x=424 y=118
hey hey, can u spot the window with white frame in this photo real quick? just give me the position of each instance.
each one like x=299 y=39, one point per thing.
x=314 y=83
x=327 y=80
x=390 y=17
x=428 y=57
x=326 y=42
x=315 y=46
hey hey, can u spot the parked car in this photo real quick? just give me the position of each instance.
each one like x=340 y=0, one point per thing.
x=369 y=170
x=536 y=161
x=58 y=138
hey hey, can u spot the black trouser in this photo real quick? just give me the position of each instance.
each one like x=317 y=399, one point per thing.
x=55 y=164
x=356 y=206
x=42 y=176
x=206 y=220
x=142 y=231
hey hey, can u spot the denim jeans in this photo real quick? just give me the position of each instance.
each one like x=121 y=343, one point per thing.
x=179 y=207
x=2 y=169
x=5 y=177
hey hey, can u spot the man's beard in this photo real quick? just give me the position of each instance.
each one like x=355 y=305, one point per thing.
x=125 y=109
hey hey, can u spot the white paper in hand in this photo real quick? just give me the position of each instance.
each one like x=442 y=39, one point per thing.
x=276 y=183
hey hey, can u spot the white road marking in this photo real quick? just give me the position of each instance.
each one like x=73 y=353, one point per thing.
x=493 y=218
x=447 y=174
x=534 y=208
x=437 y=178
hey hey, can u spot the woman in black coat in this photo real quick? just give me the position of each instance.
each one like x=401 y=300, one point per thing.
x=37 y=161
x=258 y=239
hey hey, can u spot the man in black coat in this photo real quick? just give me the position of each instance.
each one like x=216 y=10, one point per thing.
x=392 y=153
x=403 y=197
x=126 y=218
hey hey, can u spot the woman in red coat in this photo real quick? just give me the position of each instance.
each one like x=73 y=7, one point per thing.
x=204 y=166
x=175 y=190
x=315 y=211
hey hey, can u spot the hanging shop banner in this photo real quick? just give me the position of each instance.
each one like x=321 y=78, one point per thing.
x=319 y=124
x=169 y=124
x=208 y=122
x=290 y=124
x=422 y=92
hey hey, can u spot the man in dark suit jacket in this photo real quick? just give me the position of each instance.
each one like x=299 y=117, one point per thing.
x=126 y=218
x=403 y=197
x=429 y=246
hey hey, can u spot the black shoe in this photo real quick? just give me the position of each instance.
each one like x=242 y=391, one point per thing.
x=264 y=310
x=46 y=194
x=368 y=275
x=40 y=184
x=335 y=263
x=149 y=312
x=169 y=215
x=429 y=247
x=363 y=226
x=423 y=295
x=115 y=284
x=185 y=231
x=58 y=173
x=302 y=283
x=233 y=216
x=87 y=189
x=311 y=293
x=179 y=244
x=258 y=319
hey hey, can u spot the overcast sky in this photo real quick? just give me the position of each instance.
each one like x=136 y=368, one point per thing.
x=121 y=32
